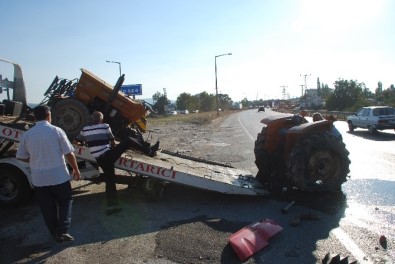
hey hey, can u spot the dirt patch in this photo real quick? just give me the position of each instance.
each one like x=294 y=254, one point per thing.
x=185 y=134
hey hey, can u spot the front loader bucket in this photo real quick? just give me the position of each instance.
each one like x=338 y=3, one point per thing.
x=252 y=238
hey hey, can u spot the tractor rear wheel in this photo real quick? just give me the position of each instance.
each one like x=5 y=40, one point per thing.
x=262 y=158
x=71 y=115
x=319 y=162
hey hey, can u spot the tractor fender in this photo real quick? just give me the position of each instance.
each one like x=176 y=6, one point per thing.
x=294 y=134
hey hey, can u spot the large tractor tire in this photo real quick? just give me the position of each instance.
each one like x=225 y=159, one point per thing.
x=14 y=187
x=262 y=158
x=319 y=162
x=71 y=115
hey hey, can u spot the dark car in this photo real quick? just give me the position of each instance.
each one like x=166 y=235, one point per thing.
x=261 y=108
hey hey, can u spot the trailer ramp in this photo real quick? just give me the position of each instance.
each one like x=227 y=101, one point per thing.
x=164 y=167
x=181 y=170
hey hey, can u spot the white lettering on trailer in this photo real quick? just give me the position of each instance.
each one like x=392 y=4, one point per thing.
x=144 y=168
x=129 y=164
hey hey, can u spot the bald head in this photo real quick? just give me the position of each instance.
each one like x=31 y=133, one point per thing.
x=97 y=117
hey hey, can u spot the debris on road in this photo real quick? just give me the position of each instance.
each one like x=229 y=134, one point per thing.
x=298 y=219
x=336 y=259
x=252 y=238
x=286 y=208
x=383 y=241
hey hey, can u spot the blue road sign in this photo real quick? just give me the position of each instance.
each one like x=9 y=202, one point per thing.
x=132 y=89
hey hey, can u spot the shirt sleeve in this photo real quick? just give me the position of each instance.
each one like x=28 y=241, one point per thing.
x=22 y=152
x=65 y=143
x=109 y=133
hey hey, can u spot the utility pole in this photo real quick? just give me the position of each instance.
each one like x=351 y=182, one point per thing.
x=164 y=92
x=284 y=91
x=305 y=76
x=216 y=86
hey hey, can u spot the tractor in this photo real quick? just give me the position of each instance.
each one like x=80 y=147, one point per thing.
x=291 y=152
x=72 y=102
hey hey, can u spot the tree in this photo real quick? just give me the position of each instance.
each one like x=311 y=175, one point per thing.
x=379 y=92
x=187 y=101
x=160 y=102
x=156 y=97
x=224 y=101
x=245 y=102
x=389 y=96
x=206 y=102
x=318 y=87
x=345 y=95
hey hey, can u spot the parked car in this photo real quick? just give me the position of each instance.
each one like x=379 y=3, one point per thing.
x=373 y=118
x=184 y=112
x=261 y=108
x=171 y=113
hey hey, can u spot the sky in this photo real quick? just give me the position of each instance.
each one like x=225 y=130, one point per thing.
x=172 y=45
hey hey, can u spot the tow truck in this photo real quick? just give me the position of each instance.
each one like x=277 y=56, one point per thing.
x=133 y=168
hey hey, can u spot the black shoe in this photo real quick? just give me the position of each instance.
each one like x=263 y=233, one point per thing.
x=112 y=210
x=64 y=238
x=153 y=149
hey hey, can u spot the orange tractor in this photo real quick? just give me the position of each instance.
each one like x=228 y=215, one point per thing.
x=290 y=152
x=72 y=102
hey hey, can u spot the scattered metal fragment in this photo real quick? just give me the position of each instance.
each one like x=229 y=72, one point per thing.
x=336 y=259
x=286 y=208
x=383 y=241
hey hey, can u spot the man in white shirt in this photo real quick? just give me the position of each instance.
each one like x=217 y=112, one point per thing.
x=45 y=147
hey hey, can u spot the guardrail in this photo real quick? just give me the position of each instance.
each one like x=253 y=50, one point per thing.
x=341 y=116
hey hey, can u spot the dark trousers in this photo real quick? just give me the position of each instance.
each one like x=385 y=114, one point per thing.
x=106 y=162
x=55 y=203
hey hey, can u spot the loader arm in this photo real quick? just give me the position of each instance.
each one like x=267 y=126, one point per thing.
x=18 y=85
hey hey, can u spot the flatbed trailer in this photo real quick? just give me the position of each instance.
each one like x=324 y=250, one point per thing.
x=134 y=169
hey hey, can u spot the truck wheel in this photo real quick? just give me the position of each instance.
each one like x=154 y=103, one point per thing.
x=319 y=163
x=351 y=127
x=14 y=187
x=71 y=115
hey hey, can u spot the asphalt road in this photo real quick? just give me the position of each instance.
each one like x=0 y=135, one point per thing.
x=193 y=226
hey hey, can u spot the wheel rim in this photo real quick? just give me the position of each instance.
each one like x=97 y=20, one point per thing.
x=8 y=189
x=323 y=167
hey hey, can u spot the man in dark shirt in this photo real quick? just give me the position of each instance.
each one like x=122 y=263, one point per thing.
x=101 y=143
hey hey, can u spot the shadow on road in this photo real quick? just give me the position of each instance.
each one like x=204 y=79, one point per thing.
x=189 y=226
x=378 y=136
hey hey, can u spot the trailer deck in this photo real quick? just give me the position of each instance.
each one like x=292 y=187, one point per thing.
x=165 y=167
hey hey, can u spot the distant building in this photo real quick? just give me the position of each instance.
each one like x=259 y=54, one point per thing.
x=312 y=99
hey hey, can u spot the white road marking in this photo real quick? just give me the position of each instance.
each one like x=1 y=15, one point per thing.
x=358 y=254
x=340 y=234
x=245 y=129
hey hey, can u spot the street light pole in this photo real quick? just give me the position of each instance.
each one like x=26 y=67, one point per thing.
x=216 y=86
x=120 y=72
